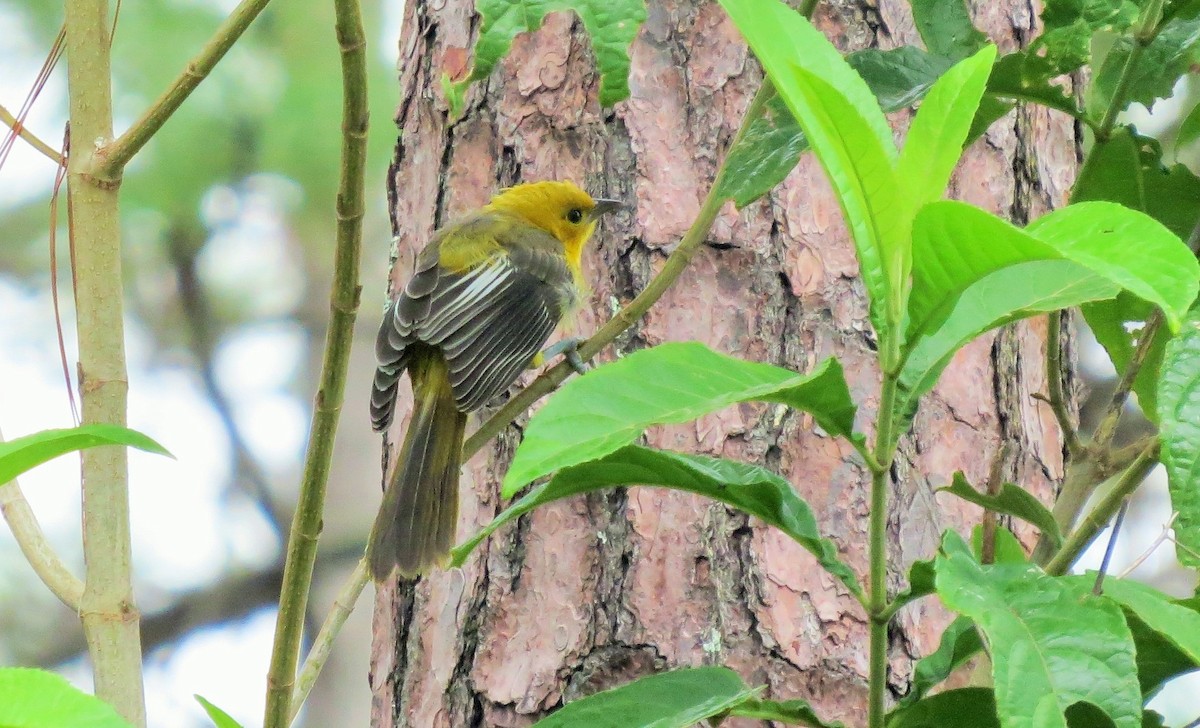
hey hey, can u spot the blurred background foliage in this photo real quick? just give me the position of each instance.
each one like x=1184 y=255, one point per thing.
x=228 y=225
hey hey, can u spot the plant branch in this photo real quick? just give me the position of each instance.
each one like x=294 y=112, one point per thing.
x=323 y=643
x=107 y=610
x=22 y=131
x=344 y=299
x=1099 y=516
x=37 y=550
x=877 y=548
x=1054 y=372
x=116 y=155
x=1144 y=34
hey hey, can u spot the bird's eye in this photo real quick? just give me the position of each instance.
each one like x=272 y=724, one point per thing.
x=575 y=216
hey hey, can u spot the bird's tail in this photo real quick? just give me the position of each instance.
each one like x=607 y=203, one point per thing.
x=415 y=527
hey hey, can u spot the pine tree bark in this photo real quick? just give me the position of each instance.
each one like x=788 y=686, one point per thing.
x=594 y=591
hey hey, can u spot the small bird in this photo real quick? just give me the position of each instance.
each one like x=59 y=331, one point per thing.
x=487 y=292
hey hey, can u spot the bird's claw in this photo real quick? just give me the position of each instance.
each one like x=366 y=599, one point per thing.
x=569 y=348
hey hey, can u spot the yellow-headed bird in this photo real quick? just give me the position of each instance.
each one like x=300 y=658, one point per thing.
x=487 y=292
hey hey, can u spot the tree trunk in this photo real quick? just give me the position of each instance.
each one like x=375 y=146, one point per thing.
x=594 y=591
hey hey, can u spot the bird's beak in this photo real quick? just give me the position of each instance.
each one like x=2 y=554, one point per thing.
x=603 y=207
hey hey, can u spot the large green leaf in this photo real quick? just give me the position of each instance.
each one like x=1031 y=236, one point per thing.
x=1012 y=500
x=612 y=405
x=1100 y=235
x=846 y=129
x=935 y=138
x=1053 y=643
x=1128 y=170
x=612 y=25
x=899 y=77
x=38 y=699
x=1179 y=429
x=25 y=453
x=1162 y=63
x=676 y=699
x=750 y=488
x=946 y=28
x=960 y=642
x=962 y=708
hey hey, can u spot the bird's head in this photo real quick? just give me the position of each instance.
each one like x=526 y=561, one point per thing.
x=560 y=208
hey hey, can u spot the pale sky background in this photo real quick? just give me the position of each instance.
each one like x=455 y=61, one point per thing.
x=187 y=530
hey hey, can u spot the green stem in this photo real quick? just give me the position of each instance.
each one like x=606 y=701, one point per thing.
x=106 y=607
x=1102 y=513
x=116 y=155
x=323 y=642
x=344 y=298
x=877 y=544
x=1143 y=36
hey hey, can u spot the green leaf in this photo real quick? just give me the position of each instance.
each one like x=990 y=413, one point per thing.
x=1178 y=623
x=765 y=154
x=219 y=717
x=1128 y=170
x=1118 y=325
x=962 y=708
x=612 y=405
x=920 y=583
x=1189 y=128
x=1099 y=235
x=1053 y=643
x=1096 y=235
x=946 y=28
x=38 y=699
x=962 y=287
x=791 y=712
x=899 y=77
x=675 y=699
x=960 y=642
x=612 y=25
x=1158 y=659
x=847 y=130
x=1025 y=76
x=935 y=138
x=1012 y=500
x=1179 y=430
x=25 y=453
x=749 y=488
x=1156 y=72
x=1007 y=549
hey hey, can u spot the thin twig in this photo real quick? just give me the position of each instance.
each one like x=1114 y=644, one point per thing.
x=323 y=642
x=1112 y=414
x=1098 y=587
x=995 y=483
x=344 y=298
x=1163 y=536
x=16 y=123
x=22 y=131
x=37 y=550
x=60 y=177
x=117 y=154
x=1054 y=372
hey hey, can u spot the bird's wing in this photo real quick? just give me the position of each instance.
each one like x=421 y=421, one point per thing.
x=489 y=320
